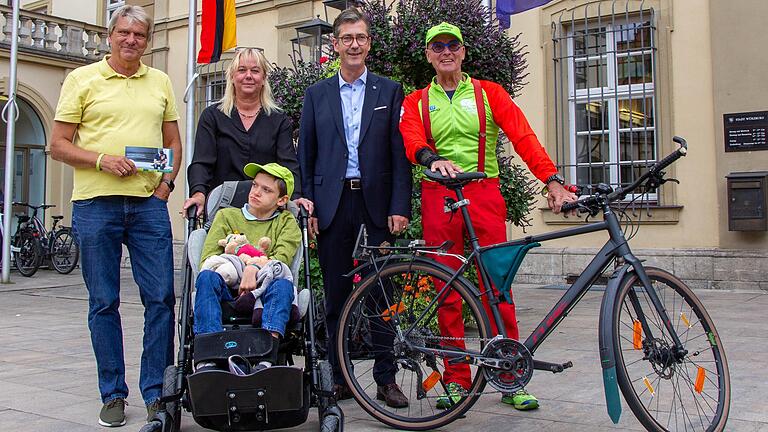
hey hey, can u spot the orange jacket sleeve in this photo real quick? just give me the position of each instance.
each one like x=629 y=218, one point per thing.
x=411 y=126
x=512 y=121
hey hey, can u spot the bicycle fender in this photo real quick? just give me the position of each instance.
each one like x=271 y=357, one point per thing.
x=362 y=268
x=607 y=355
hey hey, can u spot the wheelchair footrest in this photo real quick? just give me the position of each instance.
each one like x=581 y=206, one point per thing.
x=220 y=393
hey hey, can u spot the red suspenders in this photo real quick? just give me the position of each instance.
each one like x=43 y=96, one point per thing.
x=480 y=115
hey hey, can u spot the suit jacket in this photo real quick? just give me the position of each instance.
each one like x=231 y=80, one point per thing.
x=385 y=171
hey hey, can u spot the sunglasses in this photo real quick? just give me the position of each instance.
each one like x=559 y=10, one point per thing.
x=438 y=47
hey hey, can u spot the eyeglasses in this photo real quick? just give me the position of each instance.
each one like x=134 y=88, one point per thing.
x=438 y=47
x=361 y=39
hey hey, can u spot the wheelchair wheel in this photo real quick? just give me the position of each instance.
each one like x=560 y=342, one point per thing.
x=331 y=423
x=169 y=387
x=398 y=308
x=64 y=251
x=325 y=375
x=30 y=253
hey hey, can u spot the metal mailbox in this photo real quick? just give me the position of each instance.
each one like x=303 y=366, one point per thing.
x=747 y=198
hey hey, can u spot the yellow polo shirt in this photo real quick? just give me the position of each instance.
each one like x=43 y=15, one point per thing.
x=113 y=111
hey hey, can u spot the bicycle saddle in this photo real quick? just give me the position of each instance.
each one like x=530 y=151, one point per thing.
x=460 y=180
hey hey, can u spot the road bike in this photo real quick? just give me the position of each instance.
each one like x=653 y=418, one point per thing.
x=37 y=245
x=658 y=345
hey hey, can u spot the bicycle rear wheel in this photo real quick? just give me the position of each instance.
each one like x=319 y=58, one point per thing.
x=393 y=315
x=668 y=391
x=30 y=253
x=64 y=251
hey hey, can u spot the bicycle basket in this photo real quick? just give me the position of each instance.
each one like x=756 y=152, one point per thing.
x=502 y=264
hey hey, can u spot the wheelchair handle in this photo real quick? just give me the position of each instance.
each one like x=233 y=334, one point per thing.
x=192 y=217
x=192 y=211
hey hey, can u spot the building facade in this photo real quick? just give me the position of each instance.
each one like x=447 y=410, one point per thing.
x=609 y=84
x=55 y=37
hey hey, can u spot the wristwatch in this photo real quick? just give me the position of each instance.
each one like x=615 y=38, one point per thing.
x=170 y=183
x=555 y=177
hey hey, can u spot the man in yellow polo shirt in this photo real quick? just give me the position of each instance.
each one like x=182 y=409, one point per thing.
x=104 y=108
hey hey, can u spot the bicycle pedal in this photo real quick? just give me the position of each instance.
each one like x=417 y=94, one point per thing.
x=552 y=367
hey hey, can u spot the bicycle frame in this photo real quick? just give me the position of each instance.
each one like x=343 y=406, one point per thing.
x=616 y=247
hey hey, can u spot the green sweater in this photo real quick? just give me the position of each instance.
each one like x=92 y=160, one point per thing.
x=282 y=230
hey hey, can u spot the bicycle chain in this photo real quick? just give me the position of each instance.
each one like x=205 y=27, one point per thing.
x=433 y=338
x=430 y=338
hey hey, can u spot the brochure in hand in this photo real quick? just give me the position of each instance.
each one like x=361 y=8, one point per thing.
x=151 y=158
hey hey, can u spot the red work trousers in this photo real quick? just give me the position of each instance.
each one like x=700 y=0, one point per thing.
x=487 y=212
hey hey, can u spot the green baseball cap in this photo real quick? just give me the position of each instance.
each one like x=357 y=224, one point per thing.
x=444 y=28
x=273 y=169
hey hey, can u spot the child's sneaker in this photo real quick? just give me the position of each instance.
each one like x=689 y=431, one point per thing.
x=455 y=393
x=521 y=400
x=113 y=413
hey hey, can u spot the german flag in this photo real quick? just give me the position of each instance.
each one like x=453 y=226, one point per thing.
x=218 y=32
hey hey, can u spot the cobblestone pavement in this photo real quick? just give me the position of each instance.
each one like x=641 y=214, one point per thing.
x=48 y=374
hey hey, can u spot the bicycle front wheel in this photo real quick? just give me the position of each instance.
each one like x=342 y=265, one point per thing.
x=64 y=251
x=389 y=327
x=30 y=253
x=665 y=389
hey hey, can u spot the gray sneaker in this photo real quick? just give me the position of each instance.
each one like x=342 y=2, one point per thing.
x=152 y=410
x=113 y=413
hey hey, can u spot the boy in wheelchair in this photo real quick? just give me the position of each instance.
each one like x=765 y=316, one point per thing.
x=263 y=215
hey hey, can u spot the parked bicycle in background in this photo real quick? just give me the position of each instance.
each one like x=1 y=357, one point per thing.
x=33 y=245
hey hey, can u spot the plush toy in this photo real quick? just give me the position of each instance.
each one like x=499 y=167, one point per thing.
x=237 y=244
x=237 y=254
x=228 y=266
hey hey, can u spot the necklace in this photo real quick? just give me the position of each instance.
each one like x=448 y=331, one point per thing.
x=250 y=115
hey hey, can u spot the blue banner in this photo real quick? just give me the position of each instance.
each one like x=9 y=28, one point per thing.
x=505 y=8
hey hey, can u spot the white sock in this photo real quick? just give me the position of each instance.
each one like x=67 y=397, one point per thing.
x=204 y=364
x=266 y=363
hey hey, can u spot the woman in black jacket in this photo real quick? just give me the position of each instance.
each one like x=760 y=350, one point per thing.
x=244 y=126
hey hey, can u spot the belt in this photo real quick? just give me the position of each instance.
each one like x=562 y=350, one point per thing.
x=353 y=183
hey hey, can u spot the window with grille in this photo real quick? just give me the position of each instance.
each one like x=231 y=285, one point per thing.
x=214 y=90
x=606 y=97
x=112 y=6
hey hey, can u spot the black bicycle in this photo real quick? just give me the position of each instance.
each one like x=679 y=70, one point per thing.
x=33 y=244
x=657 y=342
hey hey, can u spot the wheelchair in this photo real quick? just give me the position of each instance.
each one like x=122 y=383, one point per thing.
x=280 y=396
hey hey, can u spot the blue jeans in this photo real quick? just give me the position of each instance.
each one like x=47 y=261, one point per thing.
x=211 y=291
x=102 y=225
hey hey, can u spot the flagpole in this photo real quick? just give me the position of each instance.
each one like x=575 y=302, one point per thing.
x=9 y=116
x=189 y=96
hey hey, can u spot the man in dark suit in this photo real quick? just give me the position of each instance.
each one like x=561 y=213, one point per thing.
x=354 y=169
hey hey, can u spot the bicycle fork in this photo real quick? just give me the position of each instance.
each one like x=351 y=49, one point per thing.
x=607 y=310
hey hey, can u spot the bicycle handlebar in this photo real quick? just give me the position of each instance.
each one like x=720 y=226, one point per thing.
x=41 y=206
x=655 y=170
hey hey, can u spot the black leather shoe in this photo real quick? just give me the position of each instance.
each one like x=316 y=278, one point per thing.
x=392 y=394
x=342 y=392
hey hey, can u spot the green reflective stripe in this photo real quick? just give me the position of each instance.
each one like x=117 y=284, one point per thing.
x=711 y=337
x=455 y=127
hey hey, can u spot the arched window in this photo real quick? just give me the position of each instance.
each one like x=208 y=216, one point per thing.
x=29 y=149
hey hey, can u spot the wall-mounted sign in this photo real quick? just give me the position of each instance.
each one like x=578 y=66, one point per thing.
x=746 y=131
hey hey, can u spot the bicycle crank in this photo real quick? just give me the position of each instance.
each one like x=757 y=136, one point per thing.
x=507 y=365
